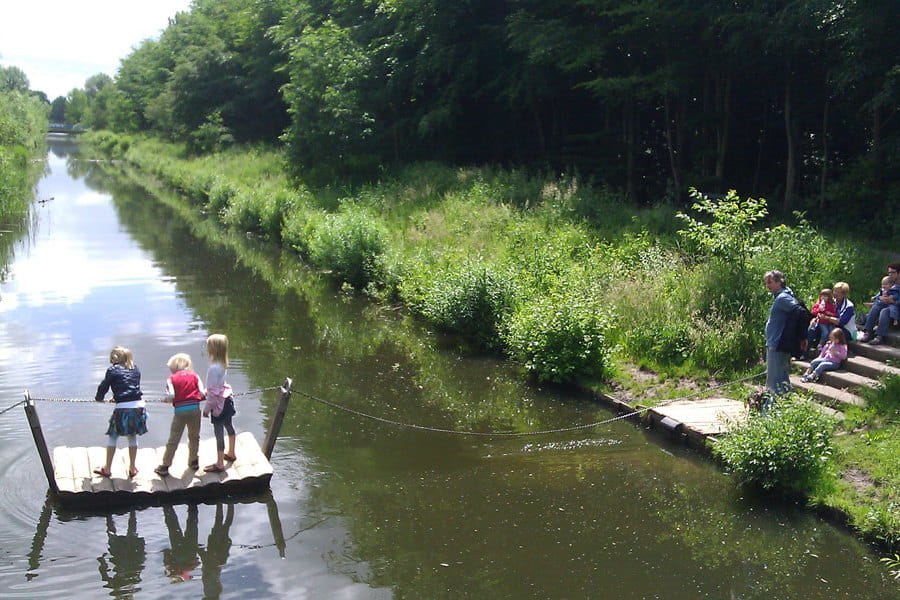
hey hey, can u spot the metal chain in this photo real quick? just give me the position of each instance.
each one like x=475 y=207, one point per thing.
x=511 y=434
x=9 y=408
x=160 y=400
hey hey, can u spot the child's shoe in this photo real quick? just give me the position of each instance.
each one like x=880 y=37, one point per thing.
x=161 y=470
x=864 y=338
x=877 y=340
x=805 y=378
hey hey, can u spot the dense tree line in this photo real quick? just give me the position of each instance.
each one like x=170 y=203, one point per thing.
x=796 y=100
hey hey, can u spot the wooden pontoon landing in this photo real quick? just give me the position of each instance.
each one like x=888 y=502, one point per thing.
x=71 y=478
x=76 y=482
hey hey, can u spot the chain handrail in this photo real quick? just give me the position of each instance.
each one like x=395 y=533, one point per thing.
x=152 y=399
x=511 y=434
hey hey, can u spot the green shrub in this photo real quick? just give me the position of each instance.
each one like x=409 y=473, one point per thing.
x=785 y=451
x=471 y=300
x=561 y=339
x=350 y=244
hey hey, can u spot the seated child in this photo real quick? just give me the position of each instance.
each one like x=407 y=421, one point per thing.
x=833 y=353
x=877 y=323
x=818 y=328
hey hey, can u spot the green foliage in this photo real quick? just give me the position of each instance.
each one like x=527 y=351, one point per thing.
x=211 y=136
x=560 y=339
x=351 y=244
x=786 y=450
x=471 y=300
x=23 y=125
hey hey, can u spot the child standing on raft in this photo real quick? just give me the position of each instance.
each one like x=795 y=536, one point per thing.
x=184 y=390
x=219 y=400
x=129 y=417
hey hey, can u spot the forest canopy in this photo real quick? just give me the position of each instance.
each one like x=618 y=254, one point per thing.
x=793 y=100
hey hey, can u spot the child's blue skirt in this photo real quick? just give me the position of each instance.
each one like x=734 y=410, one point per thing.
x=127 y=421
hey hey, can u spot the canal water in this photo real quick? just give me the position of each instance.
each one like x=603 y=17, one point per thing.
x=358 y=508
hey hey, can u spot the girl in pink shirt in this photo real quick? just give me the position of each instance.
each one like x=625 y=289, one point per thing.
x=830 y=358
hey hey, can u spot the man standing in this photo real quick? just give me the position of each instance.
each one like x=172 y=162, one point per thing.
x=778 y=364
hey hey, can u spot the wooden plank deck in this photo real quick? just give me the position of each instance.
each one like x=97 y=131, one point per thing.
x=77 y=483
x=702 y=418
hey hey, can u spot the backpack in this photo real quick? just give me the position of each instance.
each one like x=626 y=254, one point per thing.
x=793 y=338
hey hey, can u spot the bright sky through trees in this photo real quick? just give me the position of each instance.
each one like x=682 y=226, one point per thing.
x=60 y=44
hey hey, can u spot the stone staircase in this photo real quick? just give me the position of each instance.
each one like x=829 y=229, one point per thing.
x=865 y=364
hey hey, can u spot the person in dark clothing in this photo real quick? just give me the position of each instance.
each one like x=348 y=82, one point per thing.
x=129 y=417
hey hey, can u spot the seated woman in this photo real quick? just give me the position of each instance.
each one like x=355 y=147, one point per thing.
x=846 y=311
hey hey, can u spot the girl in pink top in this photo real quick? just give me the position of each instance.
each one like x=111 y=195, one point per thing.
x=830 y=358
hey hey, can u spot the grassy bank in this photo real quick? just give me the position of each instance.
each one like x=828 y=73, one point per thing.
x=23 y=126
x=559 y=275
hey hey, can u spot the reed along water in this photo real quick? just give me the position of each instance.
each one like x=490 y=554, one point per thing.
x=358 y=508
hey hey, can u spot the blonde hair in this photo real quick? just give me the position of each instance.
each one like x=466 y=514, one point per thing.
x=885 y=280
x=179 y=362
x=843 y=286
x=217 y=348
x=121 y=356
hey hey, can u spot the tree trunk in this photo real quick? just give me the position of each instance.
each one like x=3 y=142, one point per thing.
x=790 y=176
x=876 y=145
x=754 y=190
x=674 y=150
x=628 y=129
x=538 y=127
x=824 y=181
x=722 y=127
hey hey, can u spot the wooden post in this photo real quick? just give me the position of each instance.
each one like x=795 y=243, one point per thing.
x=38 y=434
x=275 y=523
x=277 y=419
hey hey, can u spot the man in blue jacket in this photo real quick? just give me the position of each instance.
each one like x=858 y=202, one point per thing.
x=778 y=364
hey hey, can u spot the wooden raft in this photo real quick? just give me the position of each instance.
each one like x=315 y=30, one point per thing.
x=700 y=418
x=76 y=482
x=70 y=471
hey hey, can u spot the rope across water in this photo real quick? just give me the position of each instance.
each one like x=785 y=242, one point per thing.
x=508 y=434
x=511 y=434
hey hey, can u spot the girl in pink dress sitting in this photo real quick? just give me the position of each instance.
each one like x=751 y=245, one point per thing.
x=830 y=358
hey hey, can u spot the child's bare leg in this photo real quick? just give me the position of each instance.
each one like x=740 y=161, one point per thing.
x=110 y=451
x=132 y=454
x=231 y=442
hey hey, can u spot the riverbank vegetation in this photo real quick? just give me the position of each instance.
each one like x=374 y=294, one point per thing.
x=23 y=125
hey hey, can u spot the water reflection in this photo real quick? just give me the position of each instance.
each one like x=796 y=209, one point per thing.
x=182 y=556
x=121 y=565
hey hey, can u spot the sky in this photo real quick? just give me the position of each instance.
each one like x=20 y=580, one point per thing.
x=60 y=43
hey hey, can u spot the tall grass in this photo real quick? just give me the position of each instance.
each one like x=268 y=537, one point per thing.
x=548 y=269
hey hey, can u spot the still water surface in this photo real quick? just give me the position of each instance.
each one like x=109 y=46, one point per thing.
x=357 y=509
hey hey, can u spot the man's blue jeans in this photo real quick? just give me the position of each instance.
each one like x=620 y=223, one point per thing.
x=880 y=315
x=778 y=371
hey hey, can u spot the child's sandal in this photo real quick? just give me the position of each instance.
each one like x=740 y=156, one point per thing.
x=102 y=472
x=161 y=470
x=229 y=457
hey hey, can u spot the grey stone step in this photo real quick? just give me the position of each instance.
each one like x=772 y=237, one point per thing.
x=844 y=379
x=828 y=411
x=828 y=395
x=869 y=367
x=881 y=353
